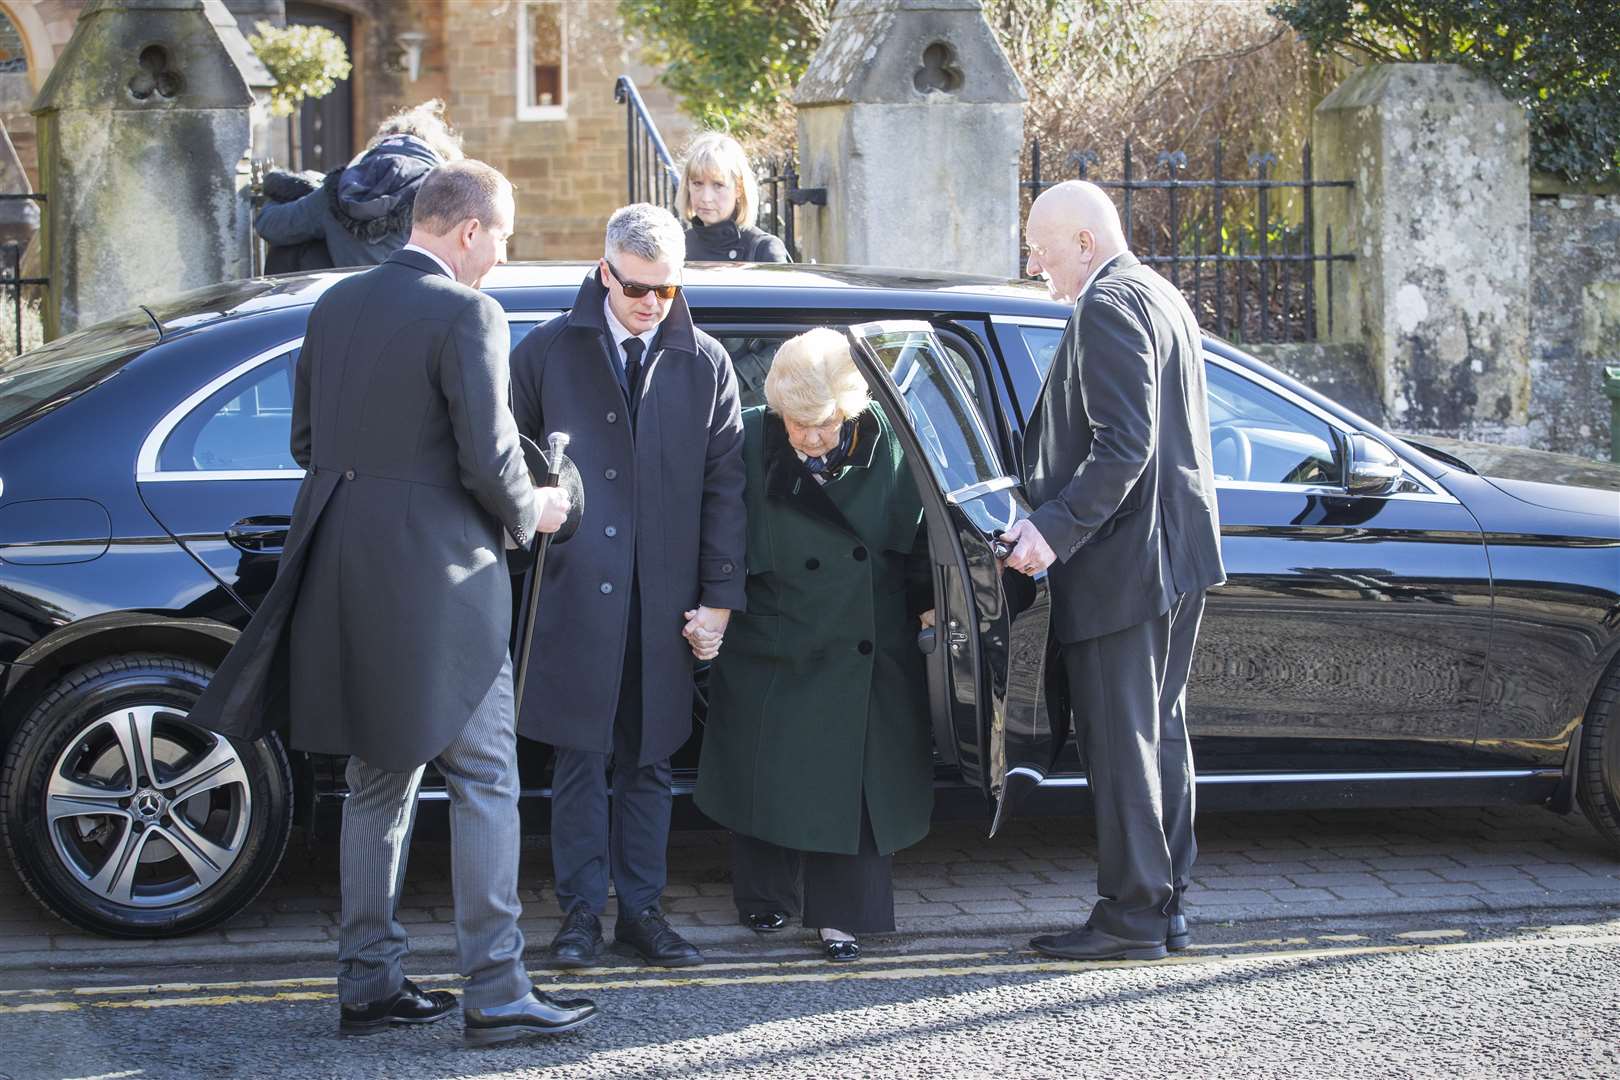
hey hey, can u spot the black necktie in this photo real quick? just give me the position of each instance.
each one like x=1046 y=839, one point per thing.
x=633 y=349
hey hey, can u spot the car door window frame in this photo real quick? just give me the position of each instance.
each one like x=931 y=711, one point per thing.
x=1431 y=491
x=147 y=469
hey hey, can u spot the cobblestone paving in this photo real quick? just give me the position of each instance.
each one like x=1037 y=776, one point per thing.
x=1038 y=874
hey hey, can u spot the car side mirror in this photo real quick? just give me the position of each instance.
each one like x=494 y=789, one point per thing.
x=1374 y=469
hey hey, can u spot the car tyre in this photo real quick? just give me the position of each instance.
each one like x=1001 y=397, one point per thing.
x=1598 y=782
x=124 y=819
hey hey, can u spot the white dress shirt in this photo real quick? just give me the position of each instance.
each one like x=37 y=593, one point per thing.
x=620 y=334
x=424 y=251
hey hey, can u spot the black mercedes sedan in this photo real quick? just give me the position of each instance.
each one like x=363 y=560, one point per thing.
x=1402 y=626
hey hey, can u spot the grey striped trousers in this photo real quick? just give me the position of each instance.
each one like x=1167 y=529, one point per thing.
x=480 y=769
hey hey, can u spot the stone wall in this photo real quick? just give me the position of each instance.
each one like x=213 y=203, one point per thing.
x=1574 y=320
x=570 y=172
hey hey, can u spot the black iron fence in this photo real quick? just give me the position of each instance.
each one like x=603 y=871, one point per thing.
x=1242 y=249
x=779 y=194
x=650 y=170
x=11 y=253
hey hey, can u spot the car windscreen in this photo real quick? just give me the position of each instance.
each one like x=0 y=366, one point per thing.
x=54 y=374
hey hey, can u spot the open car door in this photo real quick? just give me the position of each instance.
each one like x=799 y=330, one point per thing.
x=993 y=714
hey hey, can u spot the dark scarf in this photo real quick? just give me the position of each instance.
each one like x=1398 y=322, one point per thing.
x=830 y=462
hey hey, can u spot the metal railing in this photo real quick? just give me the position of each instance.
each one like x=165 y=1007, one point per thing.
x=11 y=254
x=650 y=170
x=1248 y=271
x=779 y=194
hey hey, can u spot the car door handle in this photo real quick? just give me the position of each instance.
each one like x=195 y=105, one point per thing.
x=260 y=535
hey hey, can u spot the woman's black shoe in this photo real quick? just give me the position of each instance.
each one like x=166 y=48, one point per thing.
x=841 y=951
x=766 y=922
x=410 y=1006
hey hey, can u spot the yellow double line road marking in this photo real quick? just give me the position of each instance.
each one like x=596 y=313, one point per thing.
x=895 y=969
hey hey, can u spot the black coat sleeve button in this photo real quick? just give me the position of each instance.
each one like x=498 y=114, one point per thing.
x=864 y=648
x=726 y=568
x=348 y=474
x=606 y=587
x=860 y=554
x=610 y=532
x=613 y=418
x=812 y=564
x=612 y=474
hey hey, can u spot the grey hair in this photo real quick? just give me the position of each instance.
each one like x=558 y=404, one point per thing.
x=647 y=232
x=426 y=122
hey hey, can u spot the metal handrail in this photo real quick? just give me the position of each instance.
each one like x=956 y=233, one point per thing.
x=645 y=151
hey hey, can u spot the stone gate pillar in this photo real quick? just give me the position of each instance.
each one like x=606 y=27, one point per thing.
x=141 y=126
x=1439 y=221
x=912 y=118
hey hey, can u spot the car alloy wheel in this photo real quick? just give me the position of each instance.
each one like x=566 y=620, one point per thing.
x=146 y=809
x=125 y=818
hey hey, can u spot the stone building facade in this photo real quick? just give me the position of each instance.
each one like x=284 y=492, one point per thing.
x=529 y=83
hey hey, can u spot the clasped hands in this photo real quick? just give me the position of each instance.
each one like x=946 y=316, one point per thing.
x=705 y=629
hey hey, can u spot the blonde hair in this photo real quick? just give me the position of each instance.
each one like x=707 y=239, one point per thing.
x=425 y=121
x=715 y=154
x=813 y=378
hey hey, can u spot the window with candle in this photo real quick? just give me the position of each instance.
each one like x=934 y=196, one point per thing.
x=542 y=49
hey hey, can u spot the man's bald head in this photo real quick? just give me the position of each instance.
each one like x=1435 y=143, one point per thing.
x=1073 y=228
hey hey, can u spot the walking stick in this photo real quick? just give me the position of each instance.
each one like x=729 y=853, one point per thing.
x=556 y=442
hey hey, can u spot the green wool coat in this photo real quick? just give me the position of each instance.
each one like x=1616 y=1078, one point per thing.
x=818 y=695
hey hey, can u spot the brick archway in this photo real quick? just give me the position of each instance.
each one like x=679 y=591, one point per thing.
x=36 y=40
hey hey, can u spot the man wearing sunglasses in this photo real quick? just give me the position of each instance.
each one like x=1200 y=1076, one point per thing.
x=647 y=583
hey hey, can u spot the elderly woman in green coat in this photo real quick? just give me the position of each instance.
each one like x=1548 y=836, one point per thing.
x=817 y=752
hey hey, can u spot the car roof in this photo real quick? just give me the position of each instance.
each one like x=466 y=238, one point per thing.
x=709 y=285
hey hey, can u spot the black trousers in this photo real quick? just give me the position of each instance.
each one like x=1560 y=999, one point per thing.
x=627 y=836
x=1129 y=691
x=853 y=893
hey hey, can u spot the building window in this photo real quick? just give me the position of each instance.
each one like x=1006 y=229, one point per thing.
x=13 y=57
x=542 y=50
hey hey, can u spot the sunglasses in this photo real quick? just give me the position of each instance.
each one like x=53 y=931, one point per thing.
x=636 y=291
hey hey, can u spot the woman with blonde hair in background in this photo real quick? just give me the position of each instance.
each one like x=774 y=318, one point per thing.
x=718 y=202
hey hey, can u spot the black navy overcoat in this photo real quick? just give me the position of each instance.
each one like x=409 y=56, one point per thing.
x=665 y=498
x=391 y=610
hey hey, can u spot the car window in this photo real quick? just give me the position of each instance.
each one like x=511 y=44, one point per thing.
x=950 y=429
x=245 y=425
x=1042 y=343
x=751 y=354
x=1259 y=436
x=523 y=325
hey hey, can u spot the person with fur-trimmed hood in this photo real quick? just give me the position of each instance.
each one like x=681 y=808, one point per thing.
x=363 y=212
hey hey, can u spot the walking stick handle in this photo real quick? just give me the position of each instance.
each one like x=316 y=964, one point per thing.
x=556 y=443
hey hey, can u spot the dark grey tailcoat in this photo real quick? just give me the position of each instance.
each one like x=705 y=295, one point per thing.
x=389 y=618
x=666 y=498
x=1116 y=457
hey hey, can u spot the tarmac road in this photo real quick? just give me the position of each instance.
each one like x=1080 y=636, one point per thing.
x=1444 y=996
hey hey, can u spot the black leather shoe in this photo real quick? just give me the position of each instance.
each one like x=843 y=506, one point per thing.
x=1089 y=943
x=537 y=1014
x=577 y=943
x=1179 y=937
x=766 y=922
x=841 y=952
x=650 y=937
x=409 y=1006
